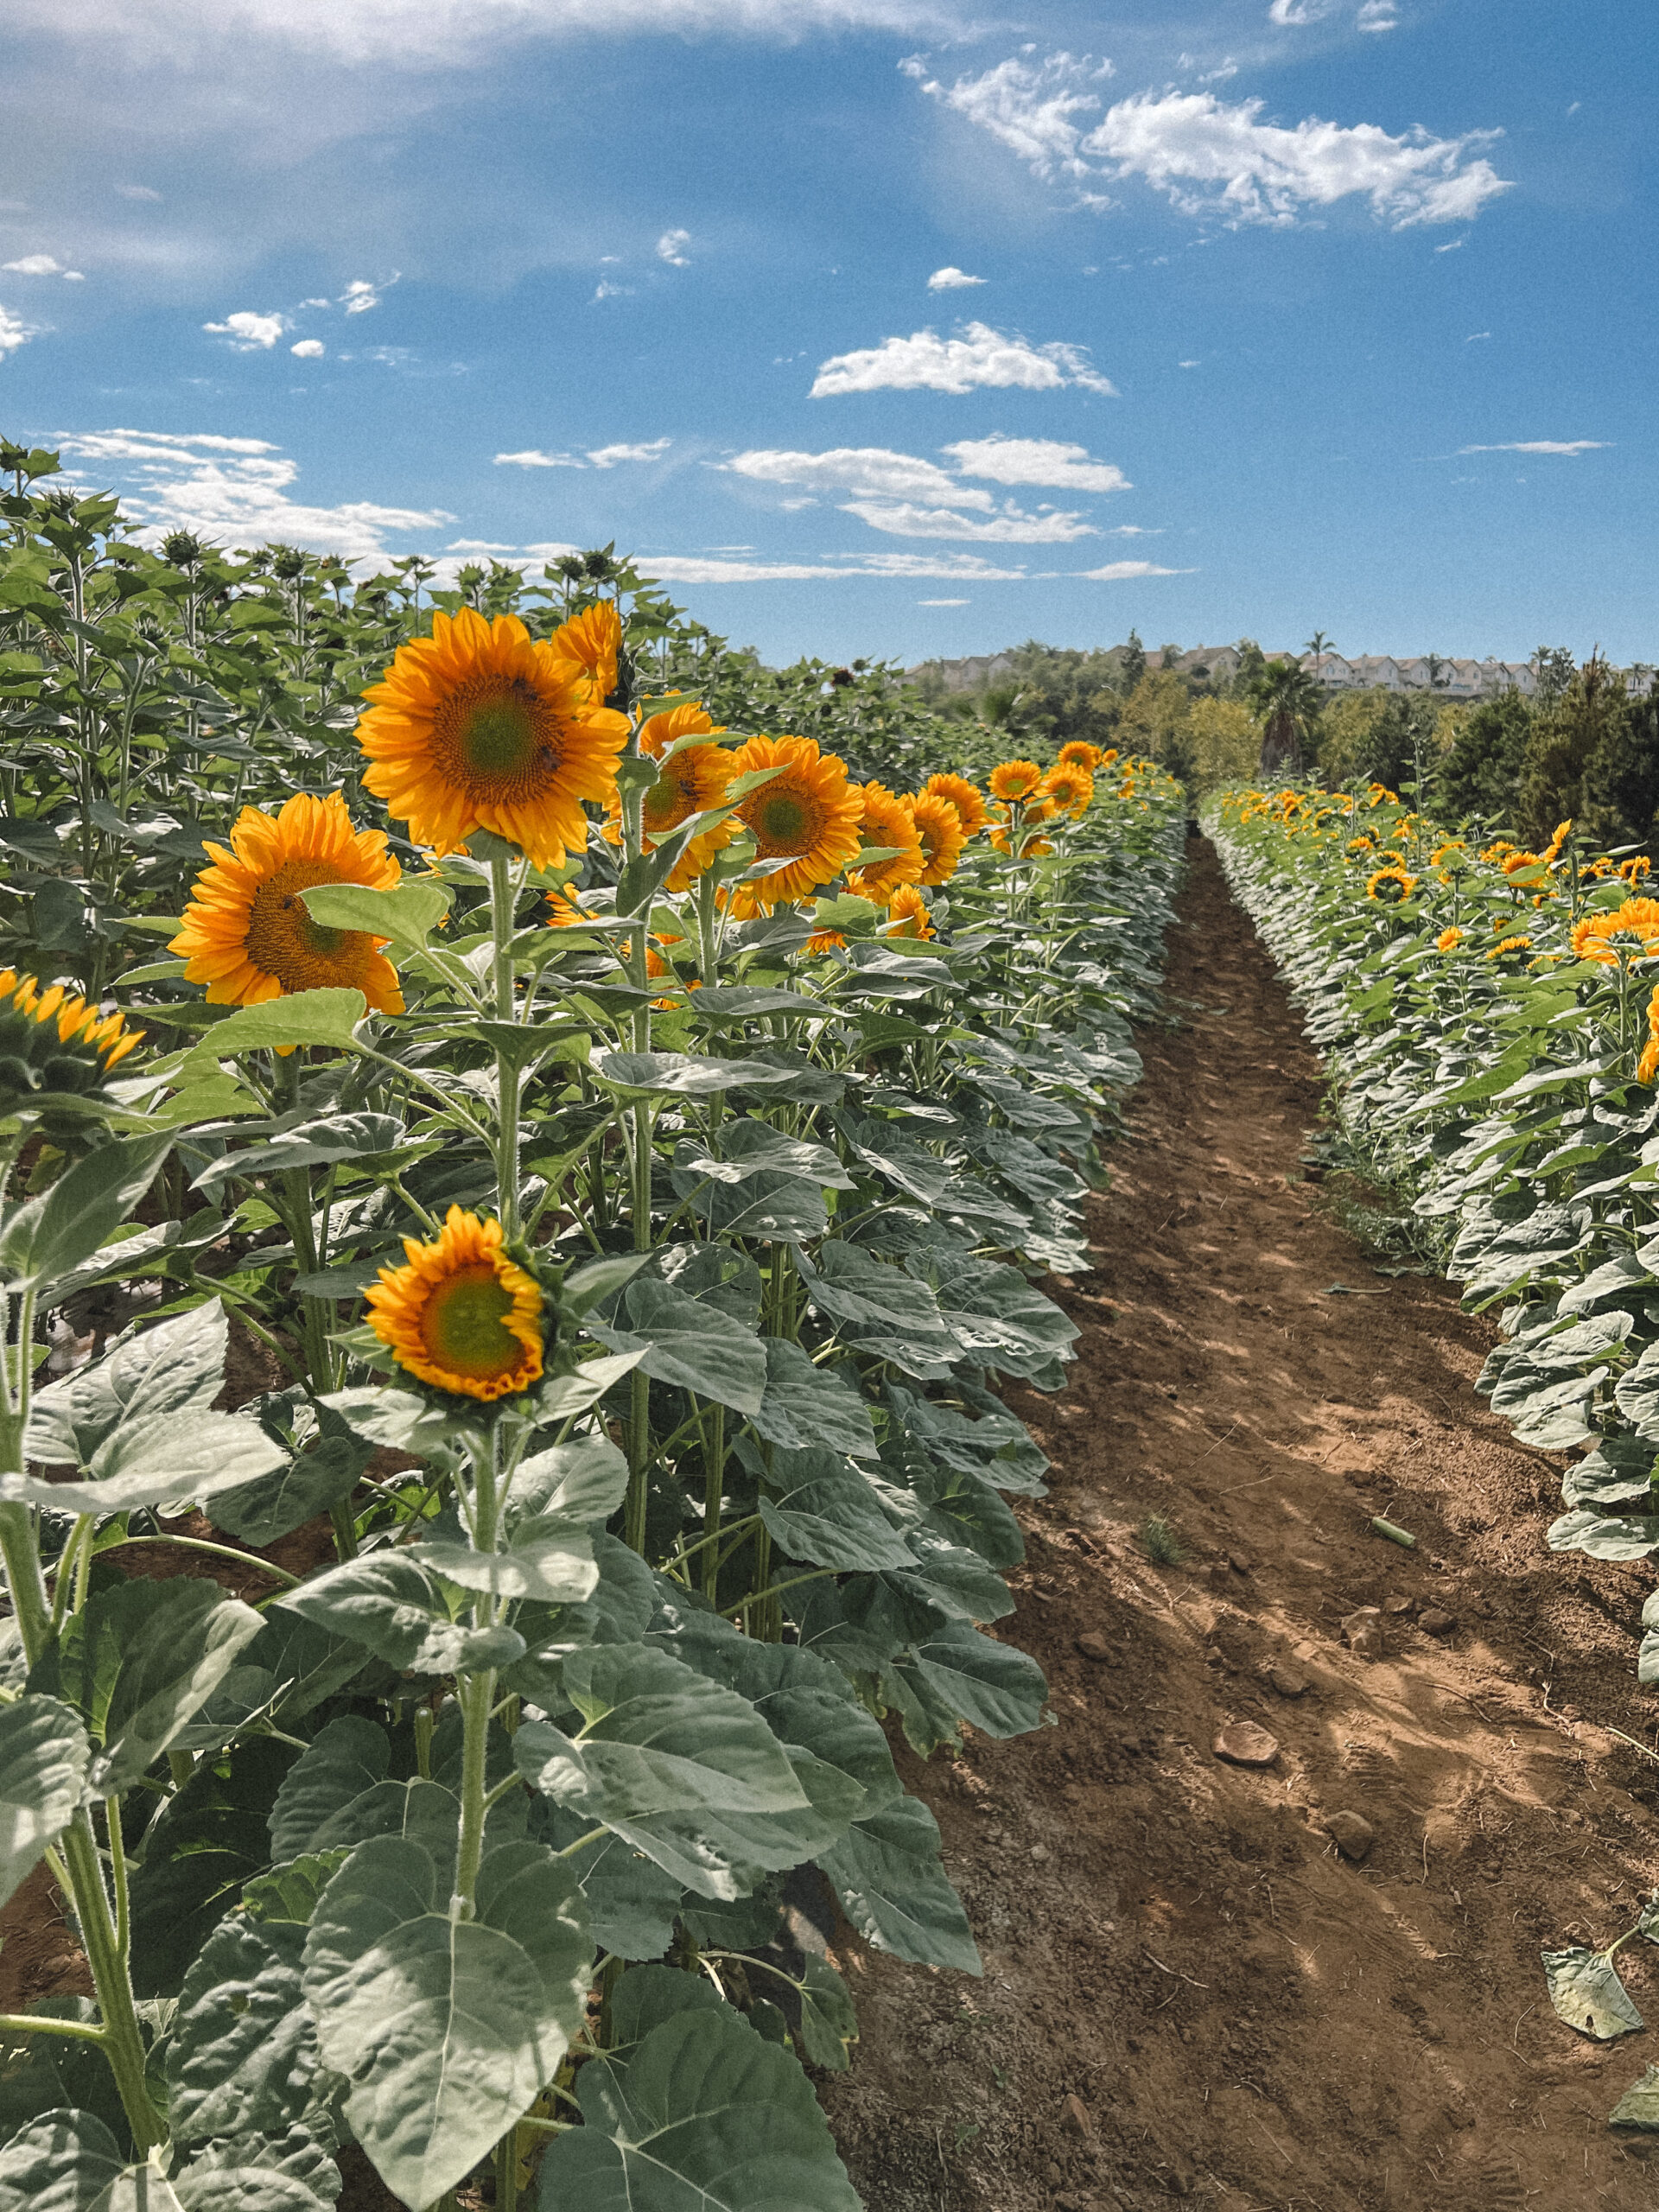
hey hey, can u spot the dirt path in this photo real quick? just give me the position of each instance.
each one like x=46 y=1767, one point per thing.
x=1188 y=1990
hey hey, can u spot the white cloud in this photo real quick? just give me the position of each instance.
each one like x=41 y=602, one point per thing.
x=950 y=280
x=1189 y=365
x=1451 y=245
x=1223 y=161
x=137 y=192
x=1032 y=107
x=874 y=471
x=942 y=602
x=532 y=458
x=1298 y=12
x=1037 y=461
x=1118 y=572
x=359 y=295
x=15 y=332
x=1377 y=15
x=945 y=568
x=981 y=356
x=1475 y=337
x=309 y=349
x=1013 y=526
x=671 y=248
x=42 y=264
x=250 y=332
x=1570 y=447
x=607 y=290
x=316 y=303
x=235 y=491
x=608 y=457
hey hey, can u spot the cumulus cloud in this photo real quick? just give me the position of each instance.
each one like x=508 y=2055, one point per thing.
x=870 y=471
x=1223 y=161
x=359 y=295
x=1377 y=15
x=250 y=332
x=1570 y=447
x=14 y=332
x=980 y=357
x=309 y=349
x=609 y=456
x=1037 y=461
x=1118 y=572
x=950 y=280
x=1297 y=12
x=1013 y=526
x=671 y=248
x=42 y=264
x=235 y=491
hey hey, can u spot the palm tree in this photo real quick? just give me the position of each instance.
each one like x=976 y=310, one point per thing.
x=1287 y=701
x=1316 y=645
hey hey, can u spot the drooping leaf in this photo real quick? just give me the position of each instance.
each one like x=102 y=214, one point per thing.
x=406 y=914
x=447 y=2029
x=829 y=2018
x=137 y=1662
x=395 y=1608
x=253 y=2173
x=44 y=1756
x=804 y=1406
x=887 y=1313
x=322 y=1017
x=44 y=1238
x=242 y=2052
x=689 y=1343
x=887 y=1872
x=821 y=1508
x=1586 y=1992
x=69 y=2161
x=207 y=1843
x=175 y=1368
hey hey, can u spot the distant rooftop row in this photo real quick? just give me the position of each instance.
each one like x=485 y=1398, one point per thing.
x=1452 y=679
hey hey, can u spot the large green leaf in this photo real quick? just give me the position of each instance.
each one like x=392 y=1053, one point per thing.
x=161 y=1463
x=177 y=1367
x=209 y=1839
x=447 y=2029
x=405 y=915
x=999 y=1320
x=252 y=2173
x=137 y=1662
x=325 y=1017
x=805 y=1407
x=322 y=1471
x=688 y=1342
x=887 y=1872
x=885 y=1312
x=44 y=1756
x=69 y=2161
x=705 y=2117
x=242 y=2052
x=44 y=1238
x=819 y=1507
x=395 y=1608
x=683 y=1769
x=632 y=1903
x=582 y=1481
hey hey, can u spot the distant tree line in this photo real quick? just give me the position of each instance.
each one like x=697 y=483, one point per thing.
x=1585 y=745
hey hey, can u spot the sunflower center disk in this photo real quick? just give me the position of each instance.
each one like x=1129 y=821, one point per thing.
x=463 y=1325
x=785 y=821
x=667 y=804
x=304 y=955
x=496 y=735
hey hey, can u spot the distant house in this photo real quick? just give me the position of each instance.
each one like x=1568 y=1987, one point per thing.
x=1212 y=664
x=1452 y=679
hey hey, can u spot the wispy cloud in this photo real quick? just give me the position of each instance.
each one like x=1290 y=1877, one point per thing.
x=42 y=264
x=610 y=457
x=359 y=295
x=15 y=332
x=1220 y=161
x=1377 y=15
x=944 y=602
x=873 y=472
x=1118 y=572
x=950 y=280
x=1012 y=527
x=235 y=491
x=137 y=192
x=249 y=332
x=980 y=358
x=596 y=457
x=943 y=568
x=1571 y=447
x=1298 y=12
x=607 y=290
x=671 y=248
x=1037 y=461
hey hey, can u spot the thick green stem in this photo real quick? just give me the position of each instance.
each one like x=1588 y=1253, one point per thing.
x=123 y=2044
x=507 y=1072
x=714 y=1487
x=476 y=1693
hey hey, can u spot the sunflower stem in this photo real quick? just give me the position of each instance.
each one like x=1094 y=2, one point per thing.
x=502 y=902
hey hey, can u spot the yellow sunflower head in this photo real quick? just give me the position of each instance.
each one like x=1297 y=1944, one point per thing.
x=1636 y=870
x=479 y=727
x=1509 y=944
x=808 y=815
x=1012 y=780
x=246 y=932
x=887 y=820
x=594 y=640
x=939 y=827
x=1080 y=753
x=967 y=799
x=1389 y=886
x=462 y=1315
x=907 y=916
x=1628 y=932
x=1558 y=838
x=1449 y=940
x=688 y=782
x=565 y=912
x=1071 y=789
x=51 y=1040
x=1647 y=1068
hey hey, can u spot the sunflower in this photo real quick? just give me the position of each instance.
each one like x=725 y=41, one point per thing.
x=1080 y=753
x=1515 y=863
x=1032 y=846
x=51 y=1040
x=967 y=799
x=888 y=821
x=1494 y=853
x=1633 y=871
x=1071 y=789
x=1558 y=838
x=1358 y=845
x=826 y=941
x=479 y=727
x=566 y=914
x=1510 y=944
x=247 y=933
x=1629 y=932
x=1015 y=779
x=809 y=815
x=939 y=827
x=907 y=916
x=462 y=1315
x=1443 y=856
x=1384 y=876
x=1647 y=1068
x=1449 y=940
x=692 y=779
x=594 y=640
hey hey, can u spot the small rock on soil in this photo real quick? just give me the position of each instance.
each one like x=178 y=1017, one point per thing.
x=1352 y=1834
x=1093 y=1646
x=1363 y=1632
x=1241 y=1742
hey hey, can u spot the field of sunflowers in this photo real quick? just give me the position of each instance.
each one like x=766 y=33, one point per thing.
x=517 y=1199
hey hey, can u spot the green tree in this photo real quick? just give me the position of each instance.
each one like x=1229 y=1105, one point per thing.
x=1133 y=663
x=1156 y=718
x=1620 y=790
x=1287 y=701
x=1480 y=776
x=1588 y=718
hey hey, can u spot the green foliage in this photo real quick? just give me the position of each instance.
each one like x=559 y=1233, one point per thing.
x=1479 y=776
x=1580 y=747
x=1160 y=1543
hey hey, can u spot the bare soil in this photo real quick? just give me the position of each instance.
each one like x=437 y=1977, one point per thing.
x=1188 y=1990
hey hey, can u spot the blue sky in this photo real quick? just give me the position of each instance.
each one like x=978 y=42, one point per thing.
x=1284 y=314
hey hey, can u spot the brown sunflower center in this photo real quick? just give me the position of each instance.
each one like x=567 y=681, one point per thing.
x=498 y=736
x=785 y=819
x=463 y=1324
x=672 y=799
x=302 y=954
